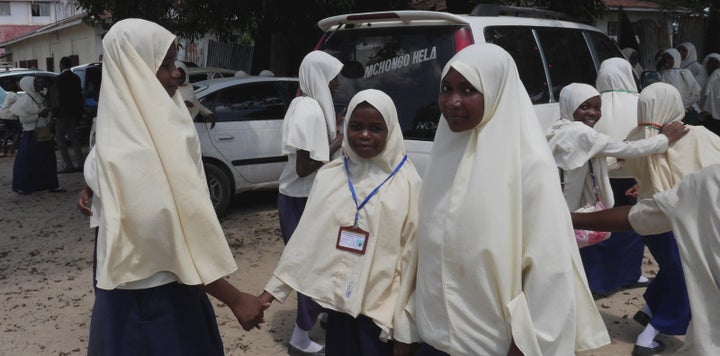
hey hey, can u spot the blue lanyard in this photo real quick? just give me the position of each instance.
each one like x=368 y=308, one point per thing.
x=372 y=193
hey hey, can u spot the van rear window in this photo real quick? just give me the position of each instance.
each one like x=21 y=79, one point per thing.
x=405 y=63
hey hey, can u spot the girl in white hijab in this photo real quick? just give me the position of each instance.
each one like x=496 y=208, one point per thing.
x=633 y=57
x=309 y=139
x=688 y=55
x=682 y=79
x=187 y=92
x=690 y=209
x=711 y=94
x=667 y=310
x=494 y=229
x=364 y=289
x=577 y=147
x=35 y=166
x=160 y=247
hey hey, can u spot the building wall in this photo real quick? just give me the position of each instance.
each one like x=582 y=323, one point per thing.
x=80 y=40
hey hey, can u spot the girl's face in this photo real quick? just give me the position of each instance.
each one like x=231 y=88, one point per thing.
x=333 y=85
x=462 y=105
x=366 y=131
x=683 y=52
x=38 y=84
x=667 y=61
x=589 y=111
x=712 y=64
x=168 y=74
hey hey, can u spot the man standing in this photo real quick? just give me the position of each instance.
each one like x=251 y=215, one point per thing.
x=68 y=112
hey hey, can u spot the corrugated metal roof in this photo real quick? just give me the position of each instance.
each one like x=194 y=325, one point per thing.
x=66 y=22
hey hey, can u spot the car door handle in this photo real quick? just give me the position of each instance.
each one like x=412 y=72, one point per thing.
x=224 y=138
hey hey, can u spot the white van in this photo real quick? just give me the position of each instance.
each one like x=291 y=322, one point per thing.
x=403 y=52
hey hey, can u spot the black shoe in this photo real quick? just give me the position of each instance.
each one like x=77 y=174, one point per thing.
x=642 y=318
x=647 y=351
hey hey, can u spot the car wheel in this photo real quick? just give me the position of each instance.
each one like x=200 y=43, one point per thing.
x=219 y=186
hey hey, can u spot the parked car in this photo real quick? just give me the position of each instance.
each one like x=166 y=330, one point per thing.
x=243 y=151
x=403 y=53
x=13 y=75
x=197 y=74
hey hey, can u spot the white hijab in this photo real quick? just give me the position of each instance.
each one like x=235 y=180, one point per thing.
x=157 y=215
x=495 y=230
x=691 y=63
x=376 y=284
x=619 y=95
x=186 y=90
x=711 y=99
x=27 y=106
x=573 y=145
x=317 y=69
x=637 y=68
x=660 y=104
x=682 y=79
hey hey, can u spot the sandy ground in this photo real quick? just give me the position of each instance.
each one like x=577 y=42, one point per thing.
x=46 y=271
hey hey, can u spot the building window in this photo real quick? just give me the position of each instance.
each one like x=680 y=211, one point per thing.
x=40 y=9
x=4 y=9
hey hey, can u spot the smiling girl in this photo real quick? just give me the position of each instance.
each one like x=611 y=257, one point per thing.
x=354 y=249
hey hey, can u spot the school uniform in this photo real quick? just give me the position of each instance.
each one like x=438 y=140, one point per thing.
x=495 y=232
x=684 y=81
x=659 y=105
x=690 y=209
x=692 y=64
x=35 y=167
x=365 y=283
x=158 y=235
x=309 y=125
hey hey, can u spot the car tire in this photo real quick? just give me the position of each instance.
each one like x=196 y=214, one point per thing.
x=219 y=187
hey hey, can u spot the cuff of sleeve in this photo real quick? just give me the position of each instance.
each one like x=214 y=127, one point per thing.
x=278 y=289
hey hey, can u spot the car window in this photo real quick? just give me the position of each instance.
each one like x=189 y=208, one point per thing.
x=520 y=43
x=568 y=58
x=405 y=63
x=251 y=101
x=604 y=47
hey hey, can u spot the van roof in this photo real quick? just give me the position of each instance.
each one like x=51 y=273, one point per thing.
x=414 y=17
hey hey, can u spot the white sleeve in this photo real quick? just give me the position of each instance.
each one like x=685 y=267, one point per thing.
x=635 y=149
x=646 y=218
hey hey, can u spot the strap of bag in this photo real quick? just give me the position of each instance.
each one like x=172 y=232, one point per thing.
x=591 y=172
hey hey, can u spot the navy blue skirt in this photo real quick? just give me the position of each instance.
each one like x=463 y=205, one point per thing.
x=667 y=294
x=616 y=262
x=348 y=336
x=35 y=166
x=172 y=319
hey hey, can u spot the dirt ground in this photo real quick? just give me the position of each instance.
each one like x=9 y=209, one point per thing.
x=46 y=272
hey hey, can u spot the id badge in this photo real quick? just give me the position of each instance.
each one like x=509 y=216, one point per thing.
x=352 y=239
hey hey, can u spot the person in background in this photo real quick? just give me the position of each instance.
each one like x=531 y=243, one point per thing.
x=689 y=61
x=310 y=139
x=241 y=74
x=711 y=94
x=633 y=56
x=690 y=209
x=580 y=152
x=67 y=115
x=160 y=248
x=684 y=81
x=187 y=92
x=35 y=166
x=13 y=127
x=667 y=309
x=499 y=271
x=266 y=73
x=370 y=193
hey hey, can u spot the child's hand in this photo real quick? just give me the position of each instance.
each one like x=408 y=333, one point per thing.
x=266 y=298
x=83 y=201
x=633 y=191
x=248 y=309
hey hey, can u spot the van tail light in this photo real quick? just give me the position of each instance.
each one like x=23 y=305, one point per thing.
x=463 y=37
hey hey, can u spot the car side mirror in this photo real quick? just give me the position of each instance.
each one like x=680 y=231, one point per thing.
x=648 y=77
x=353 y=69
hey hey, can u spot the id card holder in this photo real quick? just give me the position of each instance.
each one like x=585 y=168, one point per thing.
x=352 y=239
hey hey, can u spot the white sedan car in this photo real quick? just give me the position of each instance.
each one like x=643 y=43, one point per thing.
x=243 y=151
